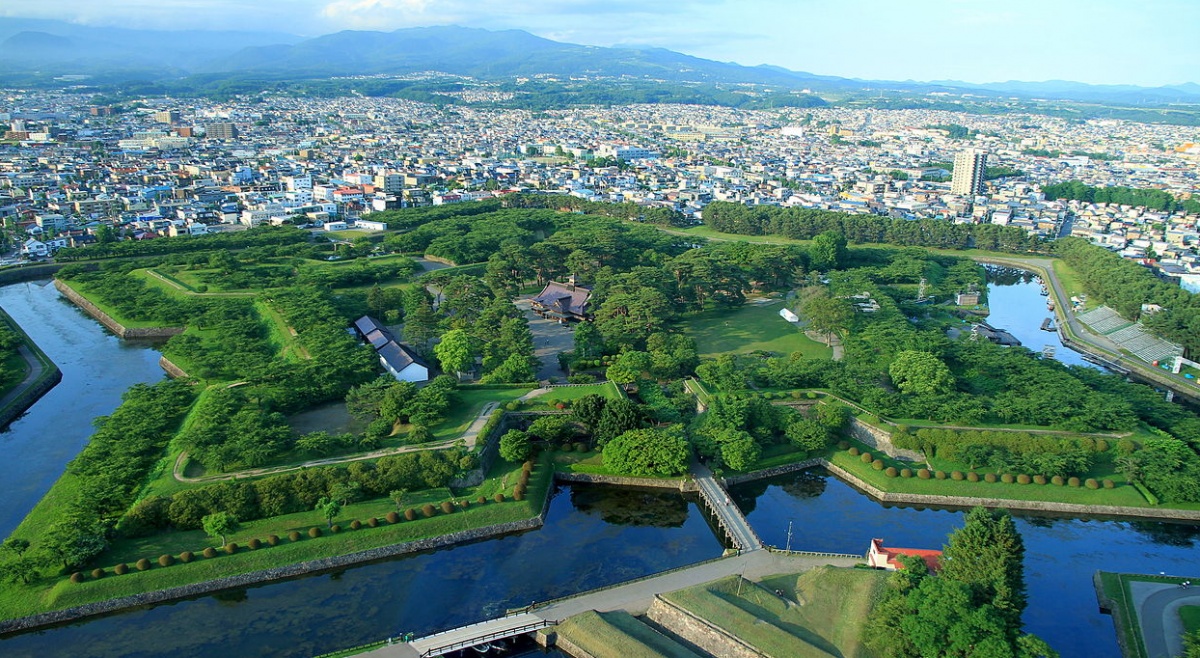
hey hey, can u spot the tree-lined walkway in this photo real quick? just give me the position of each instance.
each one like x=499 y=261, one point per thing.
x=470 y=437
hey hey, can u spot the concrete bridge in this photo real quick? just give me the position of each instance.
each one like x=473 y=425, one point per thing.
x=732 y=522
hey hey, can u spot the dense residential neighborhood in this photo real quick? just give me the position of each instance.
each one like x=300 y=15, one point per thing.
x=73 y=171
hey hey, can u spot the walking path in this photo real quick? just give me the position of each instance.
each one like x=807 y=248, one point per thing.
x=634 y=597
x=36 y=368
x=470 y=437
x=728 y=514
x=1157 y=606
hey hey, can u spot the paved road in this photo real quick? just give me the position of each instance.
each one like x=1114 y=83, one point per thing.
x=1158 y=613
x=731 y=517
x=549 y=340
x=470 y=437
x=634 y=597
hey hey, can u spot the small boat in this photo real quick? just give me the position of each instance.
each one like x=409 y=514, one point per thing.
x=482 y=648
x=1048 y=324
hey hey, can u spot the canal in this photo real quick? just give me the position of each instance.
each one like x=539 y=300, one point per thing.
x=593 y=535
x=1016 y=304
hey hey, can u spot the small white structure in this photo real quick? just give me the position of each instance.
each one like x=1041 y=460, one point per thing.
x=336 y=226
x=787 y=314
x=395 y=358
x=369 y=225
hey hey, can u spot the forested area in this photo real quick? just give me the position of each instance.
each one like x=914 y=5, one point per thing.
x=805 y=224
x=262 y=236
x=1124 y=196
x=1125 y=285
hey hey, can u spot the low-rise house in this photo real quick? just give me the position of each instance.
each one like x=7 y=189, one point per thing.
x=563 y=301
x=400 y=361
x=881 y=557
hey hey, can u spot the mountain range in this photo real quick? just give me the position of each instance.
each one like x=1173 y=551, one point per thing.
x=38 y=47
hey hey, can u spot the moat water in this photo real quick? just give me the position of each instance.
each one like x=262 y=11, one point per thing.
x=593 y=536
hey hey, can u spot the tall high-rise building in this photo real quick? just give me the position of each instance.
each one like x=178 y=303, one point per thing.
x=969 y=168
x=221 y=131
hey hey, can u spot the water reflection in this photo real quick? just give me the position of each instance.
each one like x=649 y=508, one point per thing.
x=1061 y=553
x=632 y=506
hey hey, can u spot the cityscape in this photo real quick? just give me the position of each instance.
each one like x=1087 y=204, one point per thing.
x=408 y=329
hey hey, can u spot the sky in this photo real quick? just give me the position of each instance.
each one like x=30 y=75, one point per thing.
x=1143 y=42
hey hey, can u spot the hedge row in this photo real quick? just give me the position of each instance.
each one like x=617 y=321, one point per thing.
x=972 y=476
x=428 y=510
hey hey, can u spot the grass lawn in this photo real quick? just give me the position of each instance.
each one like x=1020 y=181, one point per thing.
x=564 y=393
x=619 y=635
x=1071 y=284
x=775 y=455
x=749 y=328
x=281 y=335
x=52 y=593
x=835 y=603
x=1190 y=614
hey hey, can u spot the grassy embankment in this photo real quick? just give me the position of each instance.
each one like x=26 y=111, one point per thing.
x=14 y=369
x=53 y=594
x=619 y=635
x=817 y=613
x=83 y=290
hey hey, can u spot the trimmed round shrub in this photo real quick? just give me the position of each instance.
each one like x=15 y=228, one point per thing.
x=1007 y=478
x=1024 y=479
x=98 y=573
x=1072 y=481
x=989 y=477
x=254 y=544
x=447 y=507
x=428 y=510
x=335 y=528
x=843 y=445
x=972 y=476
x=518 y=495
x=1040 y=479
x=853 y=450
x=513 y=406
x=355 y=524
x=373 y=522
x=939 y=475
x=877 y=464
x=209 y=552
x=1108 y=484
x=1101 y=445
x=121 y=569
x=186 y=556
x=77 y=577
x=499 y=498
x=231 y=548
x=956 y=475
x=393 y=517
x=272 y=540
x=812 y=395
x=142 y=564
x=464 y=503
x=166 y=560
x=581 y=447
x=891 y=471
x=294 y=535
x=1091 y=483
x=482 y=500
x=314 y=532
x=924 y=474
x=566 y=447
x=906 y=472
x=867 y=457
x=1057 y=479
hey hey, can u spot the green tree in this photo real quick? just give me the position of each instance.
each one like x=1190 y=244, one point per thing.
x=329 y=508
x=23 y=570
x=827 y=315
x=515 y=446
x=455 y=351
x=219 y=524
x=828 y=251
x=398 y=496
x=628 y=367
x=648 y=452
x=738 y=449
x=15 y=545
x=987 y=553
x=920 y=373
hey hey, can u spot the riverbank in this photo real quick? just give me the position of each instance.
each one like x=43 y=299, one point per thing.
x=109 y=322
x=41 y=376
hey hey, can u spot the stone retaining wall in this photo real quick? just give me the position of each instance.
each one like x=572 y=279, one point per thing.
x=880 y=440
x=279 y=573
x=773 y=471
x=565 y=645
x=173 y=370
x=112 y=325
x=698 y=632
x=31 y=395
x=685 y=485
x=1026 y=505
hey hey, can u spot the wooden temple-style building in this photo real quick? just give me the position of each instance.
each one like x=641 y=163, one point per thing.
x=565 y=302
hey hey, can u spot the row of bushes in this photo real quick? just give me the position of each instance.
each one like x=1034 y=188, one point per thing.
x=972 y=476
x=428 y=510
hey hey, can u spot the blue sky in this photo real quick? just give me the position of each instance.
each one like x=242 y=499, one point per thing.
x=1147 y=42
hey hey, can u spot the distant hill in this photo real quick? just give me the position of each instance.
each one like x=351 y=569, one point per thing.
x=36 y=47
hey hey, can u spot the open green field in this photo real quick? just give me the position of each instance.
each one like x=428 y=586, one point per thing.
x=816 y=613
x=82 y=289
x=58 y=592
x=1071 y=283
x=567 y=393
x=750 y=328
x=619 y=635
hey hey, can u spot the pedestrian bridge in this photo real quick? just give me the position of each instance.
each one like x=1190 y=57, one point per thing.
x=731 y=520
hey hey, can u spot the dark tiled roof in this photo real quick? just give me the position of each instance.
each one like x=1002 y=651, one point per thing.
x=397 y=356
x=562 y=299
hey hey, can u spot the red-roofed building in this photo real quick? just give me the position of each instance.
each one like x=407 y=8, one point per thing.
x=881 y=557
